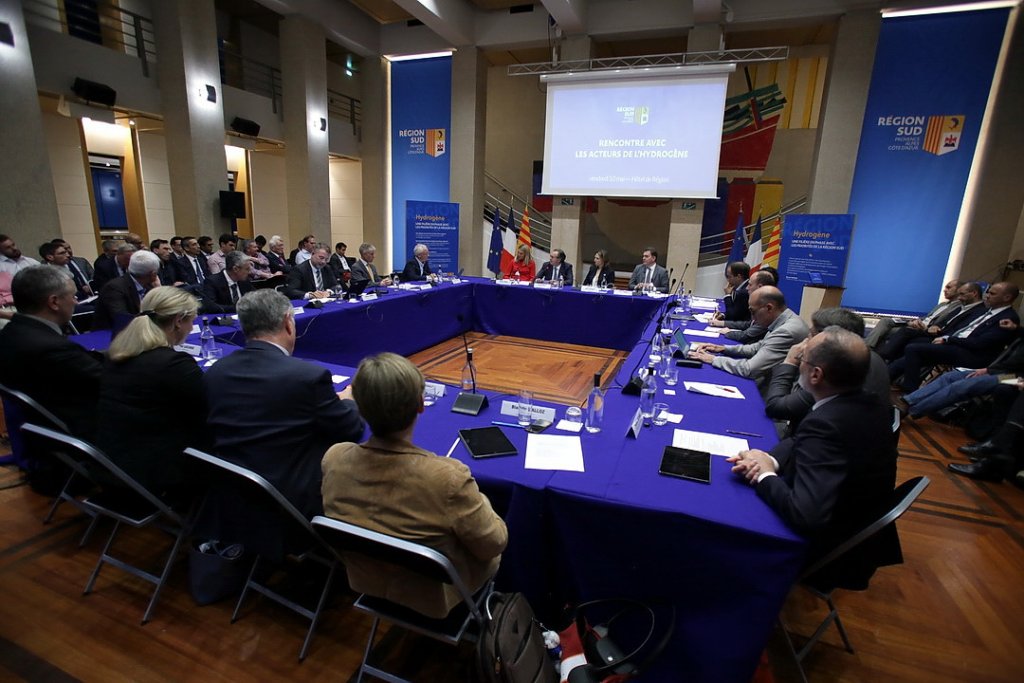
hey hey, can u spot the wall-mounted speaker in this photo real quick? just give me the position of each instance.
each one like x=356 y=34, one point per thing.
x=245 y=126
x=91 y=91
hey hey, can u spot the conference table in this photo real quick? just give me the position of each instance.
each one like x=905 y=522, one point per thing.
x=716 y=552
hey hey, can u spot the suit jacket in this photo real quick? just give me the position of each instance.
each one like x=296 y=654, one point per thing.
x=757 y=359
x=84 y=264
x=836 y=475
x=988 y=337
x=104 y=270
x=659 y=278
x=172 y=271
x=217 y=294
x=547 y=272
x=1011 y=360
x=398 y=489
x=118 y=298
x=137 y=396
x=962 y=319
x=737 y=303
x=605 y=279
x=188 y=272
x=335 y=264
x=278 y=263
x=411 y=272
x=359 y=272
x=301 y=280
x=277 y=415
x=56 y=372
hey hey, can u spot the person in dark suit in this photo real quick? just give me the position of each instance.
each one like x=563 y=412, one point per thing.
x=222 y=291
x=737 y=298
x=648 y=275
x=341 y=264
x=836 y=474
x=418 y=268
x=746 y=331
x=311 y=279
x=108 y=253
x=1001 y=455
x=972 y=344
x=75 y=263
x=601 y=273
x=363 y=268
x=171 y=272
x=556 y=269
x=37 y=359
x=193 y=265
x=122 y=297
x=939 y=315
x=57 y=255
x=113 y=268
x=967 y=307
x=275 y=256
x=275 y=414
x=144 y=383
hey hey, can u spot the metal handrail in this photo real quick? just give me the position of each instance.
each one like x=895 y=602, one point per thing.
x=109 y=26
x=251 y=75
x=346 y=108
x=540 y=230
x=746 y=56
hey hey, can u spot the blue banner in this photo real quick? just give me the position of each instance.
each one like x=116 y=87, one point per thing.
x=929 y=87
x=814 y=251
x=421 y=104
x=435 y=224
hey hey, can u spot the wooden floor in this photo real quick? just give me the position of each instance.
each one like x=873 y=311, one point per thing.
x=953 y=612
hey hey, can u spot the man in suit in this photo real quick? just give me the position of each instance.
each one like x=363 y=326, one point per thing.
x=121 y=298
x=193 y=266
x=649 y=275
x=836 y=474
x=954 y=316
x=785 y=328
x=556 y=269
x=108 y=252
x=340 y=264
x=940 y=314
x=221 y=292
x=75 y=262
x=972 y=344
x=418 y=268
x=176 y=248
x=113 y=268
x=37 y=359
x=171 y=272
x=275 y=256
x=312 y=279
x=737 y=275
x=1002 y=455
x=745 y=331
x=57 y=255
x=363 y=268
x=206 y=245
x=275 y=414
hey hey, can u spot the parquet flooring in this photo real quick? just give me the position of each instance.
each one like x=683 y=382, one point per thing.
x=954 y=612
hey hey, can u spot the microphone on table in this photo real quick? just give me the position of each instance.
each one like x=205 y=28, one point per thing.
x=471 y=403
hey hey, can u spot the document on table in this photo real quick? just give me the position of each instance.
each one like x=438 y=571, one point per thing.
x=705 y=318
x=704 y=303
x=701 y=333
x=709 y=389
x=715 y=444
x=554 y=452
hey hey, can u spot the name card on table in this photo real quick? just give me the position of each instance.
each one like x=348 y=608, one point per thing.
x=195 y=329
x=703 y=303
x=369 y=297
x=511 y=408
x=542 y=285
x=456 y=281
x=635 y=425
x=622 y=292
x=190 y=349
x=593 y=289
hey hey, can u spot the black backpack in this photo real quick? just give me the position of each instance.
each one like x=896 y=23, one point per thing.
x=511 y=648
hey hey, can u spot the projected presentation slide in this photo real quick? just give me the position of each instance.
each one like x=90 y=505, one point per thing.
x=651 y=137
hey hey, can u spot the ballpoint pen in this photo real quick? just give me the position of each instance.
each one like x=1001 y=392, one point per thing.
x=734 y=431
x=452 y=449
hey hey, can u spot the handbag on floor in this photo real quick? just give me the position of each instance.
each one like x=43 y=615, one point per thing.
x=511 y=649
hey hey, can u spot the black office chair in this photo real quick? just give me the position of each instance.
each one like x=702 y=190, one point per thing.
x=126 y=502
x=22 y=409
x=903 y=496
x=223 y=475
x=465 y=621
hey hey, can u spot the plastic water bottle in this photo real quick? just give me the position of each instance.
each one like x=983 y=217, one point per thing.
x=595 y=407
x=648 y=392
x=207 y=342
x=684 y=304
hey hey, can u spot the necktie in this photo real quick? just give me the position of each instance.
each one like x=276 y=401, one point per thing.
x=421 y=268
x=554 y=273
x=318 y=279
x=966 y=332
x=234 y=293
x=199 y=270
x=647 y=278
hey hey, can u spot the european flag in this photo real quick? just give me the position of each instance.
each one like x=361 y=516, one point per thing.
x=494 y=253
x=739 y=241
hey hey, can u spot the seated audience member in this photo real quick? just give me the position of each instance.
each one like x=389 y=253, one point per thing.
x=152 y=405
x=959 y=385
x=737 y=294
x=261 y=242
x=341 y=265
x=556 y=269
x=522 y=267
x=785 y=328
x=389 y=485
x=170 y=272
x=215 y=262
x=121 y=297
x=836 y=474
x=601 y=273
x=77 y=264
x=363 y=268
x=57 y=255
x=971 y=345
x=206 y=245
x=969 y=297
x=260 y=263
x=222 y=291
x=37 y=359
x=745 y=331
x=302 y=253
x=11 y=259
x=135 y=240
x=193 y=266
x=1002 y=456
x=418 y=268
x=649 y=275
x=275 y=414
x=107 y=254
x=111 y=269
x=275 y=255
x=312 y=279
x=787 y=400
x=939 y=315
x=176 y=249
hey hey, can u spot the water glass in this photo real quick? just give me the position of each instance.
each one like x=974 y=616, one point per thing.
x=659 y=418
x=573 y=414
x=525 y=408
x=432 y=393
x=671 y=375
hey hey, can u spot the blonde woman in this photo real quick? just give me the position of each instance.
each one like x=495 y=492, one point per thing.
x=152 y=405
x=523 y=267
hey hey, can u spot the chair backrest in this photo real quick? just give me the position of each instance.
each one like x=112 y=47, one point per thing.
x=416 y=558
x=903 y=497
x=99 y=459
x=31 y=410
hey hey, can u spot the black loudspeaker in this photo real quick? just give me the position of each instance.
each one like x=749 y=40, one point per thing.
x=633 y=386
x=232 y=204
x=245 y=126
x=469 y=404
x=91 y=91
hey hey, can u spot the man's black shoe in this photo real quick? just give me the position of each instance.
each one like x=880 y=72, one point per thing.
x=979 y=448
x=986 y=470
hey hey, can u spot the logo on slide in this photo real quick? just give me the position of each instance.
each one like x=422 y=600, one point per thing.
x=943 y=134
x=638 y=115
x=436 y=141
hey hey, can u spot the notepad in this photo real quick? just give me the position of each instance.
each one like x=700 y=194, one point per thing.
x=716 y=444
x=554 y=452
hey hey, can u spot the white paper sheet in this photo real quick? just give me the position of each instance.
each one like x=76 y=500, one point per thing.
x=700 y=333
x=674 y=418
x=567 y=426
x=338 y=379
x=716 y=330
x=715 y=444
x=554 y=452
x=709 y=389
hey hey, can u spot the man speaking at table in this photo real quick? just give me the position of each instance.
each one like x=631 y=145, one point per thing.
x=649 y=275
x=556 y=268
x=837 y=472
x=311 y=279
x=418 y=267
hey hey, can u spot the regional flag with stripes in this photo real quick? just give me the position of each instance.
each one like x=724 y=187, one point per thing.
x=943 y=134
x=771 y=253
x=524 y=229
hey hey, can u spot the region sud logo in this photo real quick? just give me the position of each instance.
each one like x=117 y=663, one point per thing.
x=637 y=115
x=943 y=134
x=436 y=141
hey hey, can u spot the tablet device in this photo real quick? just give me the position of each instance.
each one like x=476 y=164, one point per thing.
x=356 y=288
x=486 y=442
x=686 y=464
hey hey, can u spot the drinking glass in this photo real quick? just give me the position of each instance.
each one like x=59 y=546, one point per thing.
x=659 y=418
x=671 y=375
x=525 y=408
x=573 y=414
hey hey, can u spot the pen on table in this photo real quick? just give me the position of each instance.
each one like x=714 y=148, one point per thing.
x=507 y=424
x=452 y=449
x=733 y=431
